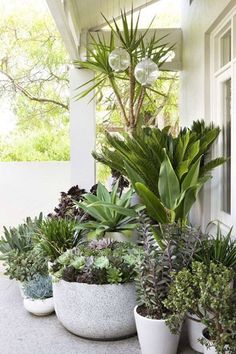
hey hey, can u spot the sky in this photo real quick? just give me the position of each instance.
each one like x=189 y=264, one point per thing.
x=168 y=15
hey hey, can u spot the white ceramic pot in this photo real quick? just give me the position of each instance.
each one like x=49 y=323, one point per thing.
x=92 y=311
x=210 y=349
x=194 y=329
x=39 y=307
x=155 y=336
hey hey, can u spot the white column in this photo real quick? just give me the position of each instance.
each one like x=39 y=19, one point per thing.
x=82 y=131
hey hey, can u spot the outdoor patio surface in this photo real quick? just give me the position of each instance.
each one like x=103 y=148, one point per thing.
x=22 y=333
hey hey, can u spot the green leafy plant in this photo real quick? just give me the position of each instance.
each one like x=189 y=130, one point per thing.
x=19 y=238
x=98 y=262
x=219 y=249
x=23 y=266
x=38 y=288
x=109 y=211
x=206 y=292
x=167 y=172
x=56 y=236
x=138 y=46
x=154 y=271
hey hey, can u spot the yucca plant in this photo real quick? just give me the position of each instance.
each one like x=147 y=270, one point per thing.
x=166 y=171
x=219 y=249
x=56 y=236
x=128 y=37
x=110 y=211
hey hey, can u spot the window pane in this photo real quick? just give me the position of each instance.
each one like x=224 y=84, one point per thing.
x=226 y=48
x=226 y=131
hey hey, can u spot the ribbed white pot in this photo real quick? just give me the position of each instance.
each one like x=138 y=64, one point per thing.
x=194 y=328
x=39 y=307
x=96 y=311
x=155 y=336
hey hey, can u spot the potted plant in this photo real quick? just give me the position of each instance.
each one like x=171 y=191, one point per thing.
x=219 y=249
x=94 y=291
x=55 y=236
x=154 y=276
x=38 y=295
x=167 y=171
x=207 y=293
x=113 y=215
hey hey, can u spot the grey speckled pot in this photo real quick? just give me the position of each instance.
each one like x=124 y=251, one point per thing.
x=102 y=312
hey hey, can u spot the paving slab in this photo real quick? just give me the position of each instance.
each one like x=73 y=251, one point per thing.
x=23 y=333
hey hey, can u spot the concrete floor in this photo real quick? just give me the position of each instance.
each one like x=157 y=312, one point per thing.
x=22 y=333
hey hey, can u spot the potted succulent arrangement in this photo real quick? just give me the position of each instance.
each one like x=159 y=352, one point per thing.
x=38 y=293
x=219 y=249
x=154 y=276
x=94 y=291
x=113 y=215
x=207 y=292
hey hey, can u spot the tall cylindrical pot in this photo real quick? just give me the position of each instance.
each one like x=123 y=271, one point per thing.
x=155 y=336
x=194 y=328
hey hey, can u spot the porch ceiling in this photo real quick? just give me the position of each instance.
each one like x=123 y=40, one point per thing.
x=75 y=18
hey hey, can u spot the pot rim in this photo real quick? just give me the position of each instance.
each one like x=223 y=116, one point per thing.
x=193 y=317
x=95 y=285
x=146 y=318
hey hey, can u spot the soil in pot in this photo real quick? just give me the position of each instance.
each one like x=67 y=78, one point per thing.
x=209 y=349
x=154 y=335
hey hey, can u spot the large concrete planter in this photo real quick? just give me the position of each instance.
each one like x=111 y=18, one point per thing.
x=102 y=312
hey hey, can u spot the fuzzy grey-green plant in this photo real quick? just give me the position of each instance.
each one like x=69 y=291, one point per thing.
x=38 y=288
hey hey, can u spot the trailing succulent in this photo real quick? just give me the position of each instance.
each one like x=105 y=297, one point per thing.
x=23 y=266
x=206 y=291
x=157 y=264
x=98 y=262
x=38 y=288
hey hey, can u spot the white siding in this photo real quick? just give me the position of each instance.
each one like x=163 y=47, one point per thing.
x=197 y=20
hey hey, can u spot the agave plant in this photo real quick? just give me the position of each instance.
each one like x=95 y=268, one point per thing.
x=110 y=212
x=138 y=46
x=166 y=171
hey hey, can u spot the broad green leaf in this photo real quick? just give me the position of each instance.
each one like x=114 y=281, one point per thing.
x=154 y=207
x=192 y=176
x=168 y=184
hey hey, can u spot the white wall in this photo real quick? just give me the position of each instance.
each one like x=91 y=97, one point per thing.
x=27 y=188
x=197 y=20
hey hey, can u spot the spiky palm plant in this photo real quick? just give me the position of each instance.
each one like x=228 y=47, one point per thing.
x=138 y=45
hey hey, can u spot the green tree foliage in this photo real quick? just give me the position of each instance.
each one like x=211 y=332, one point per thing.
x=34 y=78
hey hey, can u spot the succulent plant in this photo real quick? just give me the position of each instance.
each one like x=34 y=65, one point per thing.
x=40 y=287
x=23 y=266
x=98 y=262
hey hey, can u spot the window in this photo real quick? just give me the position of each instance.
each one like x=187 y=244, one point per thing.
x=223 y=104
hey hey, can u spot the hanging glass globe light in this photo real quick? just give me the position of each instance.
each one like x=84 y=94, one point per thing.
x=119 y=59
x=146 y=72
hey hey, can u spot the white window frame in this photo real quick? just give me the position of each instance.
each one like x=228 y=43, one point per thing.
x=218 y=75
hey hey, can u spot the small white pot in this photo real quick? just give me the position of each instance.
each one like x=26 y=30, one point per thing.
x=155 y=336
x=39 y=307
x=210 y=349
x=194 y=328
